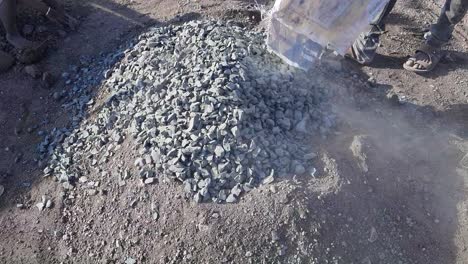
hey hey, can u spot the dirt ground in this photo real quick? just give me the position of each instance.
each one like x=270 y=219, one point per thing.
x=392 y=177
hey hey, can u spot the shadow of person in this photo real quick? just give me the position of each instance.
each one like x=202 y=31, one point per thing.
x=453 y=60
x=398 y=18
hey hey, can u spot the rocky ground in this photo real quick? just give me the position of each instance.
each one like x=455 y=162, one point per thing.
x=340 y=165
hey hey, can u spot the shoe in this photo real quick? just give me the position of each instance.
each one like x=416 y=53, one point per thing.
x=365 y=46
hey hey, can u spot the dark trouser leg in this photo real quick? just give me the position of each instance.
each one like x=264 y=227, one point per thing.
x=365 y=46
x=452 y=13
x=8 y=16
x=380 y=19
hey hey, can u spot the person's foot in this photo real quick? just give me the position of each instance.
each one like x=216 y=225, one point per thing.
x=365 y=46
x=6 y=61
x=19 y=42
x=424 y=60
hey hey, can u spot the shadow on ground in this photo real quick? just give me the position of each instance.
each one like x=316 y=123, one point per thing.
x=402 y=183
x=452 y=61
x=28 y=111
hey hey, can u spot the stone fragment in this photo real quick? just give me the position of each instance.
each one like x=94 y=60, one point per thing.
x=130 y=261
x=149 y=180
x=40 y=206
x=48 y=204
x=33 y=71
x=373 y=235
x=231 y=198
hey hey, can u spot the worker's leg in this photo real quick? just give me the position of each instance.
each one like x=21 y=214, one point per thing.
x=365 y=47
x=452 y=13
x=380 y=19
x=8 y=19
x=429 y=54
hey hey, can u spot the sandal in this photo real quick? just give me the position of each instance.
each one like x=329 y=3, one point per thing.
x=419 y=65
x=6 y=61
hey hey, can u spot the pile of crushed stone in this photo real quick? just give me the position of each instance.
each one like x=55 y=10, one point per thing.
x=204 y=103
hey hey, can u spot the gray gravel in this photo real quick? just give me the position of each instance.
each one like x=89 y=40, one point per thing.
x=203 y=103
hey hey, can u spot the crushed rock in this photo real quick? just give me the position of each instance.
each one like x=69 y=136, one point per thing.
x=203 y=103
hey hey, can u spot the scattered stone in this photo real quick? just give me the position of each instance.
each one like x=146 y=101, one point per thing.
x=139 y=162
x=269 y=179
x=49 y=204
x=56 y=96
x=83 y=179
x=215 y=215
x=33 y=71
x=40 y=206
x=373 y=235
x=219 y=151
x=130 y=261
x=273 y=189
x=231 y=198
x=155 y=216
x=150 y=180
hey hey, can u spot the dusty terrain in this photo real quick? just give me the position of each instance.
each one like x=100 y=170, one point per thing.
x=392 y=176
